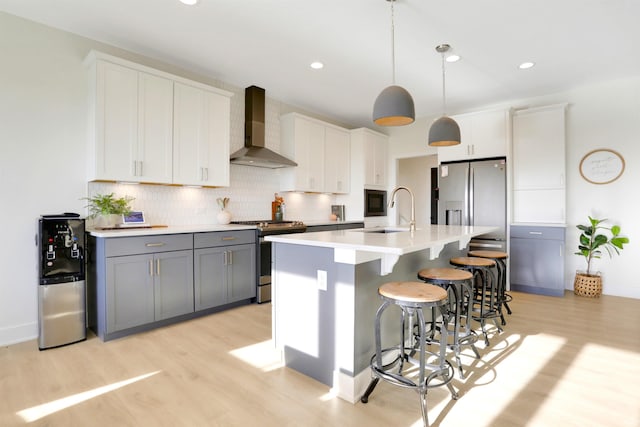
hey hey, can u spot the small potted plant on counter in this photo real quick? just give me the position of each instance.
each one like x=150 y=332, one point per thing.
x=107 y=209
x=594 y=237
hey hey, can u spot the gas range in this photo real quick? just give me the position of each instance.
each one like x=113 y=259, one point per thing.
x=268 y=227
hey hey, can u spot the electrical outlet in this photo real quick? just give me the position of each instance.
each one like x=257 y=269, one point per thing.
x=322 y=280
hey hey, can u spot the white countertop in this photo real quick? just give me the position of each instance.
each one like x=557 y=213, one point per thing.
x=399 y=243
x=176 y=229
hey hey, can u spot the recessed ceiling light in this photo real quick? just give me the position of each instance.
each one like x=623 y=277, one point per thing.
x=189 y=2
x=316 y=65
x=453 y=58
x=526 y=65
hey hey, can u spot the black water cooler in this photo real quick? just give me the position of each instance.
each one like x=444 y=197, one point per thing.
x=62 y=289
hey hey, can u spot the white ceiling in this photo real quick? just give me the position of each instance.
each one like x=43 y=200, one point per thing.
x=270 y=43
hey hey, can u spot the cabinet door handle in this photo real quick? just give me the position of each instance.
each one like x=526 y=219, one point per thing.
x=158 y=267
x=229 y=238
x=154 y=245
x=206 y=174
x=141 y=169
x=225 y=257
x=151 y=267
x=539 y=233
x=134 y=168
x=230 y=257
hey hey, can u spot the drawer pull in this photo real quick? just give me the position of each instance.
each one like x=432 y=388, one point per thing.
x=536 y=232
x=229 y=238
x=154 y=245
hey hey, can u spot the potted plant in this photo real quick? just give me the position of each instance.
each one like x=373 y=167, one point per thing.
x=596 y=236
x=107 y=208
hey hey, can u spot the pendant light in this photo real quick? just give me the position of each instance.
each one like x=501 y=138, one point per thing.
x=444 y=131
x=394 y=105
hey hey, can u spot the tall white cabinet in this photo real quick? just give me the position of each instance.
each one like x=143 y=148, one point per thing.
x=151 y=126
x=539 y=165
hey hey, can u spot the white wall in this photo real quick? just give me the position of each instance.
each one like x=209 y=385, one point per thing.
x=606 y=115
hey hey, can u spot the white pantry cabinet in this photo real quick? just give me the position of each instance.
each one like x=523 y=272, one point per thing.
x=319 y=148
x=133 y=126
x=539 y=161
x=483 y=134
x=200 y=137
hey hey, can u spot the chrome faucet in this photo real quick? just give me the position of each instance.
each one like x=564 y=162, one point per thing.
x=412 y=223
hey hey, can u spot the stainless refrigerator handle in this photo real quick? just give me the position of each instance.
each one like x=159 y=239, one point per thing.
x=471 y=196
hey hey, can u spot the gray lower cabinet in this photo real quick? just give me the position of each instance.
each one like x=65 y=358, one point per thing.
x=142 y=289
x=537 y=259
x=224 y=268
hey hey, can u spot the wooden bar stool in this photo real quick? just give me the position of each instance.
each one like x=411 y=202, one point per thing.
x=433 y=368
x=459 y=286
x=501 y=264
x=485 y=298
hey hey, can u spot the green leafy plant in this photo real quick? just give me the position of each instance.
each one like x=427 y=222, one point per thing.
x=108 y=204
x=592 y=240
x=222 y=202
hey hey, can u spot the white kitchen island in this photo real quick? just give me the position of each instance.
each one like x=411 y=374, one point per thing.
x=325 y=294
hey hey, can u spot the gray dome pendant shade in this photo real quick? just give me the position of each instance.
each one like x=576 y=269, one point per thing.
x=394 y=106
x=444 y=132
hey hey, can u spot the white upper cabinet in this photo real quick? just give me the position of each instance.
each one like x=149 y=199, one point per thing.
x=372 y=147
x=539 y=148
x=135 y=118
x=132 y=126
x=200 y=137
x=319 y=149
x=337 y=164
x=483 y=134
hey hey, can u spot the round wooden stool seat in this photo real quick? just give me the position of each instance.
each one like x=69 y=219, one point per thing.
x=488 y=254
x=416 y=292
x=444 y=274
x=467 y=261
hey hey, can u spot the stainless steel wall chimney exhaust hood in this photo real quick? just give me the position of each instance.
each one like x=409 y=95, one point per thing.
x=254 y=152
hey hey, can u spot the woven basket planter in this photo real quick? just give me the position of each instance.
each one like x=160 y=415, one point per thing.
x=588 y=285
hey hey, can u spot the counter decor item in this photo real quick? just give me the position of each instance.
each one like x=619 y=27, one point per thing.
x=277 y=208
x=107 y=210
x=592 y=240
x=224 y=216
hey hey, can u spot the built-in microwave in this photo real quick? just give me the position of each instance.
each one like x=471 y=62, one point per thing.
x=375 y=203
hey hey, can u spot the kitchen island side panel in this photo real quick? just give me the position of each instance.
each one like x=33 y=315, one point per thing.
x=328 y=333
x=305 y=314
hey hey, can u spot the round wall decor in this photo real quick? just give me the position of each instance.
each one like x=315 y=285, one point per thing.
x=601 y=166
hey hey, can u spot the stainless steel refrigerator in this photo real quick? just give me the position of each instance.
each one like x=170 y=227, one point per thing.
x=475 y=193
x=62 y=290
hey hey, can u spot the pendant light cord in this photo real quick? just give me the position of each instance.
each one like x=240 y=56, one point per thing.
x=444 y=99
x=393 y=46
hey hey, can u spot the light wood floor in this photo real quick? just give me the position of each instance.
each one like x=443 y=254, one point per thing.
x=568 y=361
